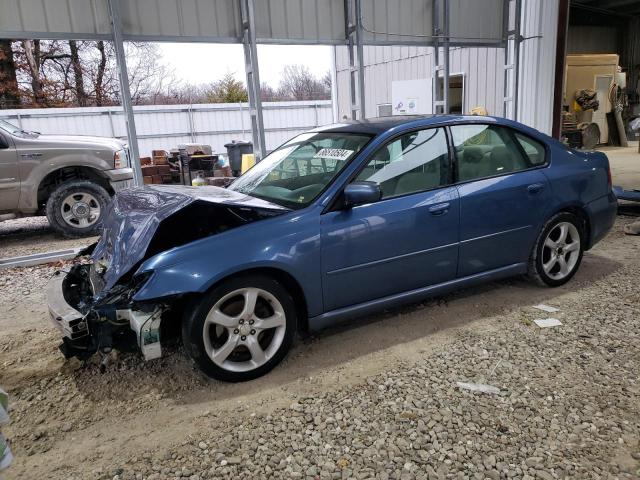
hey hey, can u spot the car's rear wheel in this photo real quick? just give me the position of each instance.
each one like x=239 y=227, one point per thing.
x=241 y=329
x=558 y=251
x=76 y=208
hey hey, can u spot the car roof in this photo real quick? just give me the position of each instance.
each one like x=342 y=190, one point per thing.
x=379 y=125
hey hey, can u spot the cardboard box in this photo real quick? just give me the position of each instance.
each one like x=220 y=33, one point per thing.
x=160 y=161
x=158 y=153
x=149 y=170
x=157 y=179
x=145 y=160
x=167 y=178
x=147 y=179
x=163 y=169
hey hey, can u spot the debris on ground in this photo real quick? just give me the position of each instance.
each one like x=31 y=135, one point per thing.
x=479 y=387
x=632 y=228
x=547 y=322
x=546 y=308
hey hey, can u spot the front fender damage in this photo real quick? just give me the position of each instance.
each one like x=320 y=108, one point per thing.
x=93 y=305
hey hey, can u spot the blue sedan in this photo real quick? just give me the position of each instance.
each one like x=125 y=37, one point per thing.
x=338 y=222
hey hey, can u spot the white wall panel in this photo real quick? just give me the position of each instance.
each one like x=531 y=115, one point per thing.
x=166 y=126
x=537 y=64
x=481 y=66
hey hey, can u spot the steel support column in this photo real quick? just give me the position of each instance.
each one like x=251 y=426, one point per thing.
x=125 y=93
x=440 y=96
x=353 y=10
x=253 y=78
x=512 y=59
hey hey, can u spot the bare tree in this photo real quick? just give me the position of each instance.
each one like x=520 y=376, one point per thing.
x=78 y=74
x=298 y=83
x=9 y=93
x=32 y=54
x=269 y=94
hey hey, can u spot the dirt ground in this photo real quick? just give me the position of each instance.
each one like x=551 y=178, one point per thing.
x=377 y=399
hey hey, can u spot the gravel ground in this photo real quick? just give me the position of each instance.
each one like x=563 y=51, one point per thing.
x=376 y=400
x=26 y=236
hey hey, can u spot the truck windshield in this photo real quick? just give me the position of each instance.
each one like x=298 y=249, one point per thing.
x=10 y=128
x=297 y=172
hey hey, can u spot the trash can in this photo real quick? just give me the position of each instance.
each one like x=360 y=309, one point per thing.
x=235 y=150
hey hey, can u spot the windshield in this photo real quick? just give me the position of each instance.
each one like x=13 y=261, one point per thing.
x=10 y=128
x=297 y=172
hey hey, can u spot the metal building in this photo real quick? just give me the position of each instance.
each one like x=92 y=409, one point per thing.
x=547 y=31
x=477 y=74
x=442 y=24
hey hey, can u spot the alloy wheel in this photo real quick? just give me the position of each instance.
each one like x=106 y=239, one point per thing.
x=244 y=329
x=561 y=250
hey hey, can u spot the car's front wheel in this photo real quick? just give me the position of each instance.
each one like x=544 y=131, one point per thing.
x=76 y=208
x=558 y=250
x=241 y=329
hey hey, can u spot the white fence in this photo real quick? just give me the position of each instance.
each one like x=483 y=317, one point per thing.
x=163 y=127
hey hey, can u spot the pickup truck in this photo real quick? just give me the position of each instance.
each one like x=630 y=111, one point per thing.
x=71 y=179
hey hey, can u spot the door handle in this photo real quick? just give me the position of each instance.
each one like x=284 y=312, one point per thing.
x=535 y=188
x=439 y=209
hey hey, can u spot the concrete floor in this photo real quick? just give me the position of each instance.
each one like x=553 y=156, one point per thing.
x=625 y=165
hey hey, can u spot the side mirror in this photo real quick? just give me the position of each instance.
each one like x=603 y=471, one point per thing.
x=360 y=193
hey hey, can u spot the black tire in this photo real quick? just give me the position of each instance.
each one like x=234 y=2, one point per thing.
x=63 y=191
x=193 y=326
x=536 y=270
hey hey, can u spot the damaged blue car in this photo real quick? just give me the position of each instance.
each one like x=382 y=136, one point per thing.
x=338 y=222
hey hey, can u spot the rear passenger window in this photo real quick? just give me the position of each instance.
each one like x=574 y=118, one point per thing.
x=534 y=150
x=414 y=162
x=486 y=150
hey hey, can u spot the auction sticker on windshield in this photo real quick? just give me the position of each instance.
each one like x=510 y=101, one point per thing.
x=334 y=153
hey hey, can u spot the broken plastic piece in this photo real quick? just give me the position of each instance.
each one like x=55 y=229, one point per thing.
x=6 y=457
x=547 y=322
x=478 y=387
x=4 y=407
x=546 y=308
x=4 y=416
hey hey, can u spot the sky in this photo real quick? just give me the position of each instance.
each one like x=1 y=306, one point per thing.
x=196 y=63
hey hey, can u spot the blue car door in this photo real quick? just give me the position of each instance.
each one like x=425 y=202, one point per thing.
x=504 y=197
x=405 y=241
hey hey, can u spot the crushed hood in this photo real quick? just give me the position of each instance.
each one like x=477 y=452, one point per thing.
x=144 y=221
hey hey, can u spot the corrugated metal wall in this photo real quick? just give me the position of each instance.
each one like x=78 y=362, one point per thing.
x=537 y=63
x=166 y=126
x=483 y=69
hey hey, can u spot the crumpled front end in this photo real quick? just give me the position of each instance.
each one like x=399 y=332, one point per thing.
x=93 y=304
x=115 y=321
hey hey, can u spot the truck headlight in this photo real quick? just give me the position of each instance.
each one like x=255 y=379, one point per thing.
x=120 y=159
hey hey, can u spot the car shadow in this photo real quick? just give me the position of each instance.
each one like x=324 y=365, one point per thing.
x=175 y=378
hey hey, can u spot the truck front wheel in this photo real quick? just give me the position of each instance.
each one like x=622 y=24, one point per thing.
x=76 y=208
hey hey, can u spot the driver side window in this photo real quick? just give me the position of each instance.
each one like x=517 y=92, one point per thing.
x=415 y=162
